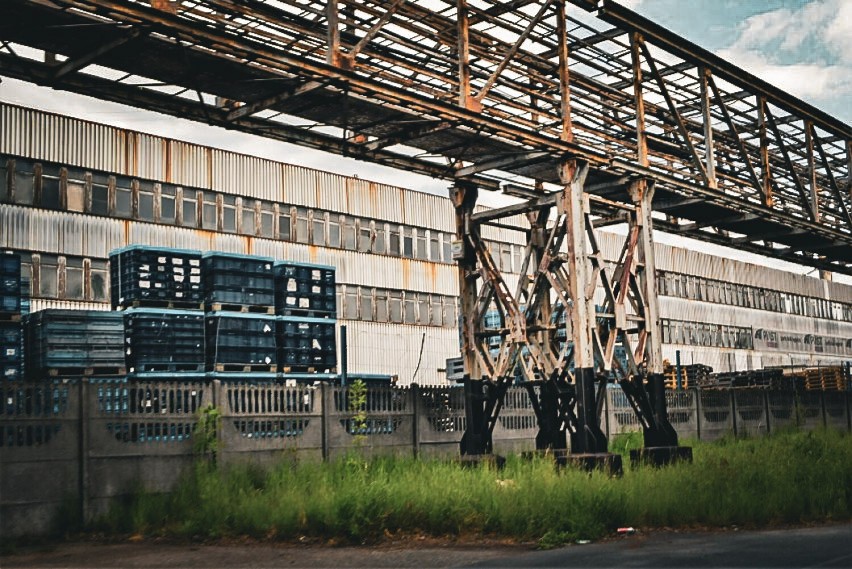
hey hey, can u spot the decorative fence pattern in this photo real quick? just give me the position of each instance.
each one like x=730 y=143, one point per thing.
x=84 y=443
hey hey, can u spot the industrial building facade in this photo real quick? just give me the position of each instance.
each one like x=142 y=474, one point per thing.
x=71 y=191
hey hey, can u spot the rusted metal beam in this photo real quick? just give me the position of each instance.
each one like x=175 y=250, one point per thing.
x=567 y=131
x=812 y=178
x=503 y=162
x=639 y=101
x=268 y=102
x=77 y=63
x=709 y=152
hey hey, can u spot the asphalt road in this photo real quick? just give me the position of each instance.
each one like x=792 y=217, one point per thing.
x=826 y=546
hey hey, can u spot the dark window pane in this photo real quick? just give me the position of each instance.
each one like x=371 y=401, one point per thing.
x=122 y=198
x=318 y=236
x=302 y=226
x=167 y=209
x=381 y=236
x=266 y=224
x=100 y=200
x=333 y=232
x=422 y=252
x=364 y=238
x=434 y=247
x=50 y=191
x=407 y=242
x=249 y=227
x=23 y=187
x=366 y=304
x=74 y=283
x=146 y=205
x=284 y=226
x=229 y=218
x=48 y=280
x=4 y=182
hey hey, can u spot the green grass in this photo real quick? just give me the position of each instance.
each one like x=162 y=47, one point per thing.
x=786 y=478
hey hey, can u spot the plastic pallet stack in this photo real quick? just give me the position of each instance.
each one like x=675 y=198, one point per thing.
x=11 y=335
x=160 y=340
x=155 y=277
x=239 y=297
x=160 y=292
x=306 y=305
x=63 y=343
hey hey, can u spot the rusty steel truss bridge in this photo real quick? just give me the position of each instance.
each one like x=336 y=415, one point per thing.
x=587 y=112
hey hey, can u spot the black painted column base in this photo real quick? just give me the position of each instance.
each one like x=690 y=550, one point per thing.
x=660 y=456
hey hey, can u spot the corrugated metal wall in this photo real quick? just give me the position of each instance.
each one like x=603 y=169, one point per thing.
x=379 y=348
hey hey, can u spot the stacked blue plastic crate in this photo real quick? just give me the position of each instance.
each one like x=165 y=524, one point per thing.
x=161 y=293
x=305 y=302
x=239 y=296
x=73 y=343
x=11 y=337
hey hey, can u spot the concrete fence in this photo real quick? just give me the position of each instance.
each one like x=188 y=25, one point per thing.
x=72 y=448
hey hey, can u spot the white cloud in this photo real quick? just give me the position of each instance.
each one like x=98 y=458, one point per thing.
x=806 y=51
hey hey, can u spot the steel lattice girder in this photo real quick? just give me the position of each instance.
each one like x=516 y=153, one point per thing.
x=735 y=161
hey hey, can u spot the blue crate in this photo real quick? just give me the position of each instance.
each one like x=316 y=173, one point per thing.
x=155 y=276
x=306 y=344
x=233 y=279
x=163 y=340
x=239 y=339
x=74 y=342
x=303 y=289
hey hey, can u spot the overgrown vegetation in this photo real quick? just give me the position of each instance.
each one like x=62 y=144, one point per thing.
x=787 y=478
x=205 y=438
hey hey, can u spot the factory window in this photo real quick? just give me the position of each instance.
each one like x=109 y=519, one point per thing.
x=365 y=236
x=284 y=224
x=267 y=220
x=450 y=318
x=302 y=235
x=48 y=276
x=379 y=243
x=422 y=250
x=350 y=303
x=4 y=179
x=318 y=228
x=50 y=182
x=423 y=309
x=410 y=308
x=393 y=241
x=248 y=224
x=229 y=214
x=100 y=286
x=189 y=207
x=395 y=306
x=167 y=204
x=334 y=230
x=437 y=311
x=434 y=246
x=408 y=242
x=24 y=182
x=381 y=305
x=506 y=257
x=517 y=257
x=74 y=279
x=209 y=218
x=123 y=198
x=367 y=304
x=349 y=233
x=447 y=246
x=146 y=201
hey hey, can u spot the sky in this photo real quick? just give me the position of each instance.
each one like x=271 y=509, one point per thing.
x=801 y=46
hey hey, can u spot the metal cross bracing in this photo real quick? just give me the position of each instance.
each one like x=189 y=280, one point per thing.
x=473 y=90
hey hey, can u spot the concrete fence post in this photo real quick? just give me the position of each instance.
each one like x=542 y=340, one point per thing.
x=732 y=395
x=83 y=450
x=696 y=394
x=414 y=397
x=767 y=411
x=325 y=419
